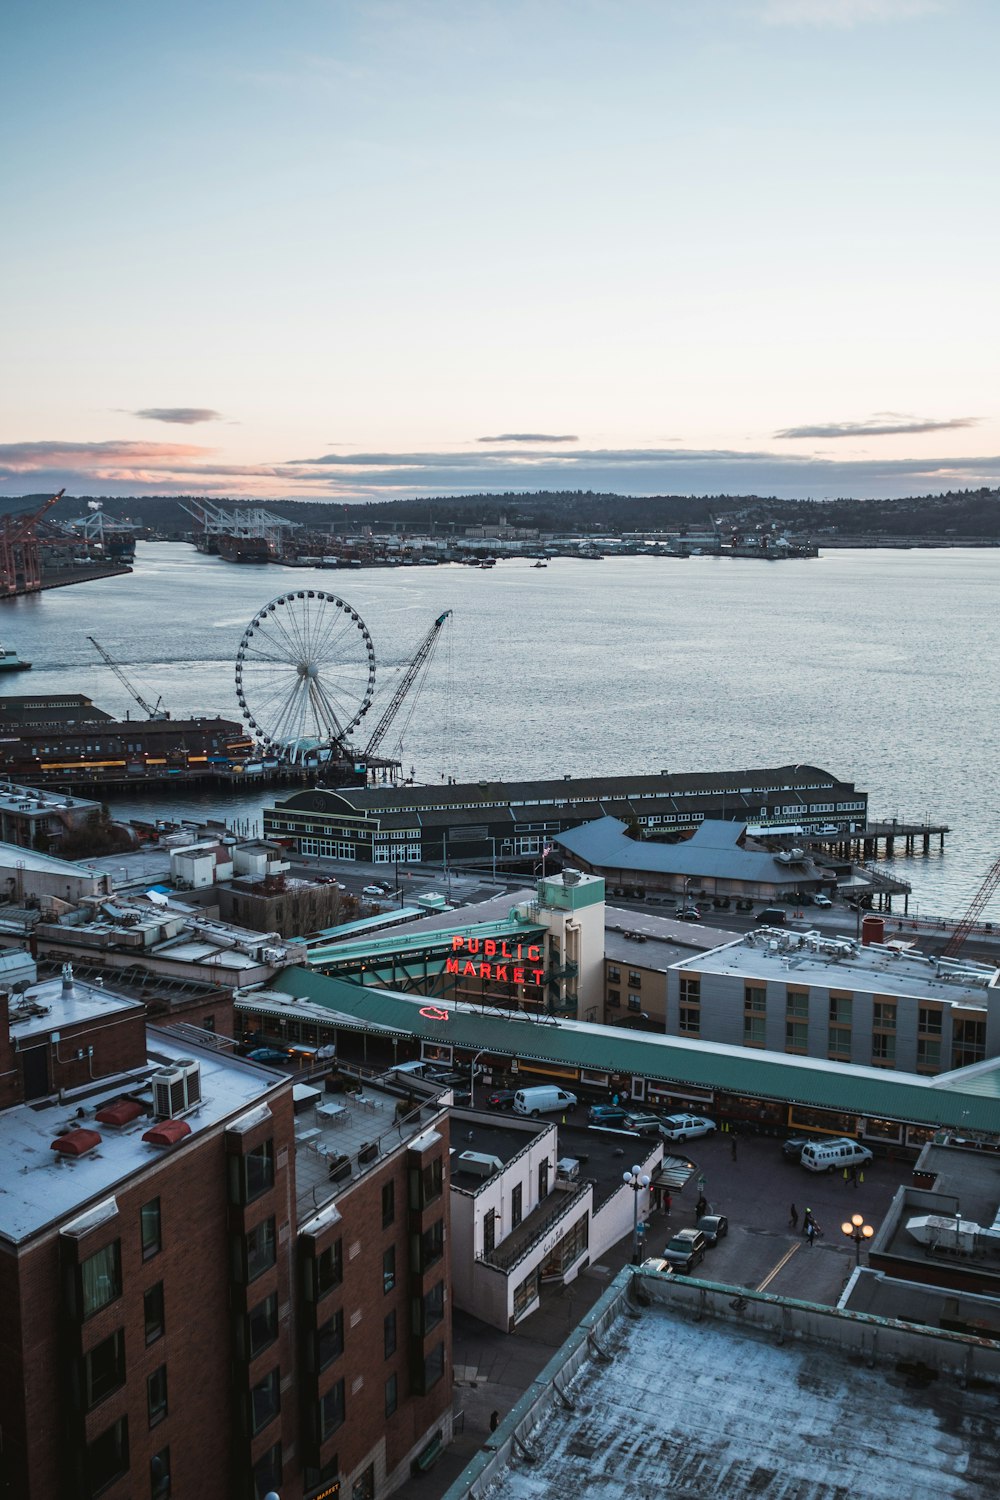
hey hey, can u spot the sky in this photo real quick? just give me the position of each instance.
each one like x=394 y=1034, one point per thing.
x=361 y=249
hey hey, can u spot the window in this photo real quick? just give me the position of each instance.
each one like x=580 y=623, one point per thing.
x=797 y=1036
x=159 y=1475
x=324 y=1271
x=388 y=1204
x=103 y=1369
x=614 y=974
x=929 y=1020
x=614 y=999
x=433 y=1370
x=884 y=1048
x=635 y=979
x=428 y=1248
x=363 y=1487
x=267 y=1472
x=754 y=1034
x=149 y=1225
x=265 y=1401
x=259 y=1250
x=156 y=1395
x=252 y=1175
x=331 y=1411
x=262 y=1325
x=635 y=1002
x=884 y=1016
x=928 y=1054
x=107 y=1456
x=689 y=1020
x=389 y=1334
x=690 y=989
x=389 y=1269
x=330 y=1340
x=391 y=1395
x=968 y=1041
x=754 y=999
x=426 y=1183
x=840 y=1010
x=516 y=1215
x=101 y=1278
x=428 y=1310
x=152 y=1304
x=797 y=1004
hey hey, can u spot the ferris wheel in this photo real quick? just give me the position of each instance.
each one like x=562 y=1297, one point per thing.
x=305 y=674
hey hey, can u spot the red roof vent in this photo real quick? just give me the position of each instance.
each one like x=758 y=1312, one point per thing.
x=76 y=1142
x=167 y=1132
x=119 y=1112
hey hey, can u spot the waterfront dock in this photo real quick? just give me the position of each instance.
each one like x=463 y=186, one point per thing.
x=878 y=840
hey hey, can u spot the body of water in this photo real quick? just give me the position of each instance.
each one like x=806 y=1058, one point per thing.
x=877 y=665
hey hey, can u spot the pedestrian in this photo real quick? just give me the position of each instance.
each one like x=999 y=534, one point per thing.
x=614 y=1101
x=793 y=1217
x=732 y=1145
x=494 y=1420
x=701 y=1206
x=810 y=1233
x=807 y=1219
x=668 y=1203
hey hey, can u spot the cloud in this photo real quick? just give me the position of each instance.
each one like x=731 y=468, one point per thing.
x=845 y=13
x=186 y=416
x=530 y=437
x=124 y=468
x=876 y=427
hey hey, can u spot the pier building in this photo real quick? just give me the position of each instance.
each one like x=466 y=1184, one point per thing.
x=498 y=821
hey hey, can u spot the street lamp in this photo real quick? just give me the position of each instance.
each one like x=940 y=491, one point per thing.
x=858 y=1231
x=638 y=1181
x=472 y=1077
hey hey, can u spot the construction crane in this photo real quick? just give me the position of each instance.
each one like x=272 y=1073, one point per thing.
x=150 y=710
x=420 y=662
x=20 y=568
x=976 y=908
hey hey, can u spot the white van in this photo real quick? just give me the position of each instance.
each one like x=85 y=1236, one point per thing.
x=544 y=1099
x=834 y=1155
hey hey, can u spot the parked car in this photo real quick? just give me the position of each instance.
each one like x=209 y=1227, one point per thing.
x=771 y=916
x=500 y=1099
x=267 y=1055
x=686 y=1250
x=820 y=900
x=372 y=890
x=607 y=1114
x=834 y=1155
x=542 y=1099
x=658 y=1264
x=642 y=1124
x=688 y=914
x=685 y=1127
x=714 y=1227
x=792 y=1149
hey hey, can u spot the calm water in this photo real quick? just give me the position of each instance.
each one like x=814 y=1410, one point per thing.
x=880 y=666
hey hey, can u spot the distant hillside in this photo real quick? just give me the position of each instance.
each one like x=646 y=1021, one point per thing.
x=974 y=514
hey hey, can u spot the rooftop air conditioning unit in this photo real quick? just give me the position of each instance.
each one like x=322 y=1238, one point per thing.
x=192 y=1079
x=479 y=1163
x=169 y=1093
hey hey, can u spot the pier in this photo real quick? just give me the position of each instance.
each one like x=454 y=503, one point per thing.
x=879 y=840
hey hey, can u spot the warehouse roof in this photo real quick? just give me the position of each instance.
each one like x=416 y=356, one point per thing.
x=712 y=852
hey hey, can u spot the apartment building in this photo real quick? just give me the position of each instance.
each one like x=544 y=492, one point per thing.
x=200 y=1294
x=882 y=1005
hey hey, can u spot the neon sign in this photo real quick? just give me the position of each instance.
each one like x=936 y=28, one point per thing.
x=433 y=1013
x=499 y=962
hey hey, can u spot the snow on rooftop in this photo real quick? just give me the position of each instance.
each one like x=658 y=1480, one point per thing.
x=717 y=1409
x=38 y=1188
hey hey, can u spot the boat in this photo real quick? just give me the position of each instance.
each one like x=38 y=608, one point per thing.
x=11 y=662
x=539 y=564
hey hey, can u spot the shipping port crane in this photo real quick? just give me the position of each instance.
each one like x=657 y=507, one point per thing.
x=975 y=910
x=419 y=664
x=20 y=568
x=150 y=710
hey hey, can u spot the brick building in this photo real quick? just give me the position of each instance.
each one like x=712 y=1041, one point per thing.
x=194 y=1299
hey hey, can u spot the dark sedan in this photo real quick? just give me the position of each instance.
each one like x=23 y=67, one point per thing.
x=500 y=1099
x=607 y=1114
x=791 y=1149
x=714 y=1227
x=267 y=1055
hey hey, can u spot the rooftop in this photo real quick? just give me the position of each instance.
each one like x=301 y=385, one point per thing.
x=14 y=798
x=629 y=934
x=711 y=852
x=813 y=958
x=739 y=1409
x=40 y=1188
x=57 y=1004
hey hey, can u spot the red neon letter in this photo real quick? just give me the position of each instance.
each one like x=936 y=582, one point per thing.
x=534 y=954
x=456 y=943
x=470 y=968
x=451 y=966
x=501 y=973
x=518 y=976
x=486 y=971
x=489 y=948
x=538 y=975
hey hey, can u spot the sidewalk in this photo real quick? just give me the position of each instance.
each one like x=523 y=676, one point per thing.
x=492 y=1370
